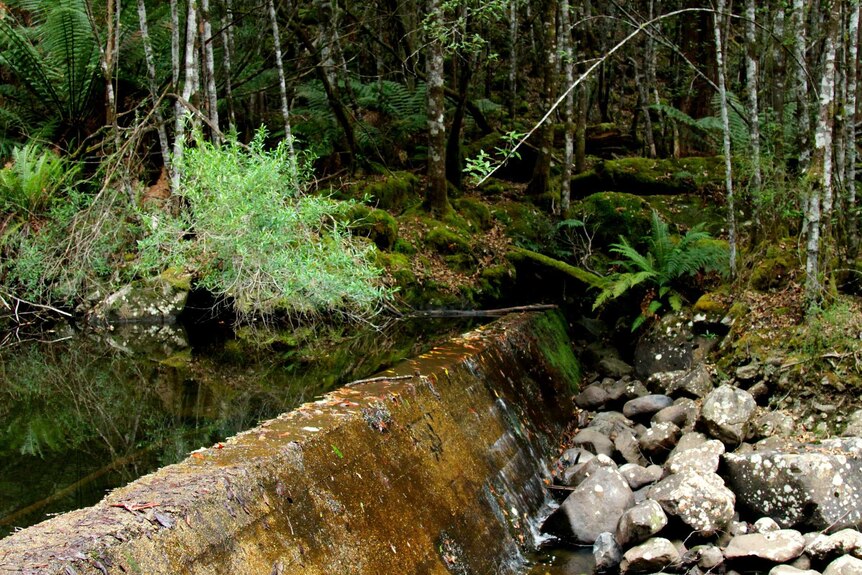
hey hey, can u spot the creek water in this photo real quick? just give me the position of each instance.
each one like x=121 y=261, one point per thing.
x=82 y=413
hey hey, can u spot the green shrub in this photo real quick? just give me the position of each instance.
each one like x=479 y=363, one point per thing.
x=249 y=233
x=33 y=179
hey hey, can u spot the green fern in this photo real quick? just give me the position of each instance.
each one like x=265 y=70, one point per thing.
x=667 y=260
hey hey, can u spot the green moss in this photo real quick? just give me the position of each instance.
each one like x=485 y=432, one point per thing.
x=402 y=246
x=177 y=278
x=178 y=360
x=555 y=346
x=609 y=215
x=685 y=211
x=494 y=281
x=525 y=223
x=461 y=262
x=475 y=212
x=665 y=176
x=738 y=310
x=706 y=304
x=493 y=188
x=520 y=254
x=772 y=271
x=446 y=240
x=394 y=192
x=377 y=225
x=399 y=268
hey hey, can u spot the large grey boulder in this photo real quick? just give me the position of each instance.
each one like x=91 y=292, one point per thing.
x=643 y=408
x=811 y=485
x=659 y=440
x=156 y=300
x=609 y=423
x=575 y=475
x=696 y=383
x=703 y=458
x=595 y=506
x=629 y=448
x=700 y=500
x=649 y=557
x=790 y=570
x=777 y=546
x=593 y=440
x=614 y=367
x=640 y=523
x=638 y=475
x=726 y=414
x=684 y=413
x=592 y=397
x=844 y=565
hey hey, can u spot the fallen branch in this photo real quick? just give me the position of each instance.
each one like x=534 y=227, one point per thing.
x=381 y=378
x=479 y=312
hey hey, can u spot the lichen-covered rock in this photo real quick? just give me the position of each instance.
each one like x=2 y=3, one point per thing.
x=771 y=423
x=854 y=425
x=700 y=500
x=594 y=440
x=640 y=523
x=696 y=383
x=705 y=556
x=684 y=413
x=703 y=458
x=606 y=552
x=777 y=546
x=811 y=485
x=638 y=476
x=659 y=440
x=155 y=300
x=643 y=408
x=629 y=448
x=844 y=542
x=790 y=570
x=844 y=565
x=649 y=557
x=726 y=414
x=609 y=423
x=574 y=475
x=594 y=507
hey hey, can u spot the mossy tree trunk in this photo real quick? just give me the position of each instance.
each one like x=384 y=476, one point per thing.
x=540 y=181
x=725 y=124
x=436 y=197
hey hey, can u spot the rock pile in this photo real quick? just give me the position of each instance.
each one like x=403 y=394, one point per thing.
x=678 y=475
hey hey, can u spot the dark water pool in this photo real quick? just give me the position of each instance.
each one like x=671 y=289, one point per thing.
x=82 y=413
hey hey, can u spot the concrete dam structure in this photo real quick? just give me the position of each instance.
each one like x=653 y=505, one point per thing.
x=434 y=467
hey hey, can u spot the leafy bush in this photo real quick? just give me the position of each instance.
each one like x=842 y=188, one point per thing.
x=32 y=179
x=665 y=263
x=250 y=233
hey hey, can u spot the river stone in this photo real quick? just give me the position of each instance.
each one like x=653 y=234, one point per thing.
x=595 y=506
x=661 y=381
x=790 y=570
x=593 y=397
x=846 y=541
x=659 y=440
x=696 y=383
x=614 y=367
x=726 y=413
x=645 y=407
x=629 y=448
x=767 y=424
x=606 y=552
x=574 y=456
x=640 y=523
x=574 y=475
x=703 y=458
x=812 y=485
x=610 y=423
x=708 y=556
x=766 y=525
x=684 y=413
x=649 y=557
x=700 y=500
x=844 y=565
x=777 y=546
x=593 y=440
x=668 y=345
x=152 y=301
x=748 y=372
x=638 y=475
x=616 y=389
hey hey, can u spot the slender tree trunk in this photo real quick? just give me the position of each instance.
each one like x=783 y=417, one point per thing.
x=820 y=199
x=725 y=123
x=513 y=56
x=189 y=85
x=850 y=118
x=164 y=144
x=227 y=41
x=453 y=143
x=751 y=84
x=175 y=46
x=209 y=66
x=436 y=198
x=282 y=83
x=643 y=103
x=569 y=111
x=778 y=94
x=542 y=172
x=584 y=11
x=803 y=121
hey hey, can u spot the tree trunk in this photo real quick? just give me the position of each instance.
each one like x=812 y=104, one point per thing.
x=778 y=94
x=209 y=66
x=751 y=85
x=850 y=126
x=569 y=111
x=725 y=124
x=282 y=83
x=643 y=104
x=454 y=169
x=189 y=85
x=436 y=198
x=803 y=150
x=175 y=46
x=164 y=144
x=227 y=41
x=820 y=200
x=542 y=172
x=513 y=56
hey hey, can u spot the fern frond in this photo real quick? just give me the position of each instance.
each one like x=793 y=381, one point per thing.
x=620 y=283
x=634 y=260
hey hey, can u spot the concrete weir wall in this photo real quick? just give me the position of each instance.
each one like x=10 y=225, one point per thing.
x=436 y=473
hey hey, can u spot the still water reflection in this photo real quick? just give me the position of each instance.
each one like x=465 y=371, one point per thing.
x=95 y=411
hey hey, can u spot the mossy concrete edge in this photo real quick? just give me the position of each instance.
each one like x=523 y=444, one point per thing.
x=438 y=472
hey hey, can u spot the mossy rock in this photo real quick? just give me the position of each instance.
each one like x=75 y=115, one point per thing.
x=684 y=211
x=707 y=304
x=447 y=240
x=463 y=262
x=610 y=215
x=645 y=176
x=377 y=225
x=552 y=337
x=394 y=192
x=525 y=223
x=399 y=268
x=495 y=281
x=402 y=246
x=772 y=271
x=475 y=212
